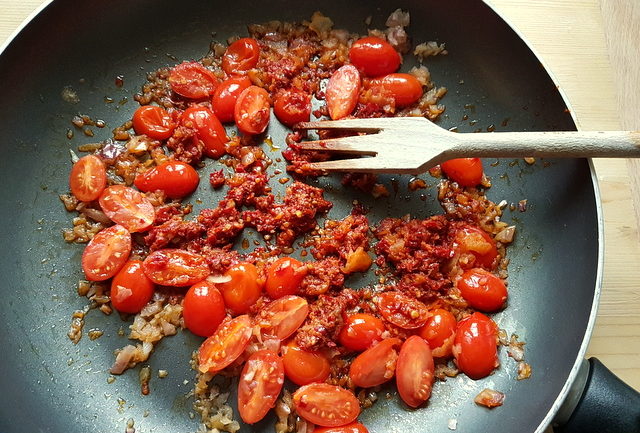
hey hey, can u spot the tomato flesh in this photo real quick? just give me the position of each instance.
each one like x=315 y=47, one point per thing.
x=404 y=88
x=303 y=367
x=326 y=405
x=475 y=346
x=225 y=345
x=475 y=241
x=355 y=427
x=175 y=178
x=342 y=92
x=465 y=171
x=243 y=288
x=106 y=253
x=154 y=122
x=439 y=332
x=282 y=317
x=292 y=106
x=241 y=56
x=127 y=207
x=414 y=371
x=375 y=365
x=284 y=277
x=175 y=267
x=360 y=331
x=88 y=178
x=402 y=310
x=260 y=384
x=208 y=129
x=374 y=56
x=192 y=80
x=252 y=110
x=482 y=290
x=225 y=96
x=203 y=309
x=131 y=289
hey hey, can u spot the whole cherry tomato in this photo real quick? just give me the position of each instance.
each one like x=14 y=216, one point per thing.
x=241 y=56
x=243 y=288
x=284 y=277
x=476 y=242
x=252 y=110
x=154 y=122
x=326 y=405
x=401 y=310
x=128 y=207
x=225 y=345
x=414 y=371
x=292 y=106
x=259 y=385
x=175 y=178
x=192 y=80
x=405 y=88
x=208 y=128
x=203 y=308
x=375 y=365
x=374 y=56
x=282 y=317
x=131 y=289
x=342 y=92
x=225 y=96
x=475 y=346
x=355 y=427
x=175 y=267
x=106 y=253
x=303 y=367
x=88 y=178
x=360 y=331
x=482 y=290
x=465 y=171
x=439 y=332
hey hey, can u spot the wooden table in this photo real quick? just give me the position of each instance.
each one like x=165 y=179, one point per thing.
x=578 y=41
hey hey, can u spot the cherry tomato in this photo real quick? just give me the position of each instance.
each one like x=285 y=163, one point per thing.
x=131 y=289
x=482 y=290
x=473 y=240
x=252 y=110
x=355 y=427
x=203 y=308
x=154 y=122
x=243 y=289
x=414 y=371
x=241 y=56
x=292 y=106
x=106 y=253
x=192 y=80
x=88 y=178
x=326 y=405
x=127 y=207
x=303 y=367
x=208 y=128
x=284 y=277
x=282 y=317
x=225 y=96
x=475 y=346
x=225 y=345
x=260 y=384
x=374 y=56
x=175 y=178
x=401 y=310
x=175 y=267
x=405 y=88
x=342 y=92
x=465 y=171
x=439 y=332
x=375 y=365
x=360 y=331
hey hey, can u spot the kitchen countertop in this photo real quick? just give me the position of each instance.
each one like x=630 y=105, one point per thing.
x=590 y=47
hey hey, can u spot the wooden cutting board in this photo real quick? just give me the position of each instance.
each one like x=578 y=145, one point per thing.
x=591 y=48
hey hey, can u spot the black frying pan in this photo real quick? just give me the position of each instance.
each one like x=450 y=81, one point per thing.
x=50 y=385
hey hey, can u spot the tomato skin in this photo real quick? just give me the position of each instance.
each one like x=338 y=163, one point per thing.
x=414 y=371
x=175 y=267
x=317 y=399
x=465 y=171
x=284 y=277
x=303 y=367
x=225 y=96
x=106 y=253
x=175 y=178
x=241 y=56
x=252 y=110
x=208 y=128
x=482 y=290
x=131 y=289
x=374 y=56
x=154 y=122
x=401 y=310
x=405 y=88
x=88 y=178
x=192 y=80
x=375 y=365
x=475 y=346
x=355 y=427
x=203 y=309
x=258 y=394
x=127 y=207
x=360 y=331
x=439 y=332
x=473 y=240
x=292 y=106
x=342 y=92
x=244 y=288
x=225 y=345
x=282 y=317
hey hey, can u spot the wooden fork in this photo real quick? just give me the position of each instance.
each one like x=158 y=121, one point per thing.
x=414 y=144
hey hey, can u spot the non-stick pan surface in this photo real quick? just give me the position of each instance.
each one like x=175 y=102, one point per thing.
x=50 y=385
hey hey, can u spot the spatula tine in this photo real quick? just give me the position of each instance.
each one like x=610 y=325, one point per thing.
x=355 y=144
x=363 y=165
x=364 y=125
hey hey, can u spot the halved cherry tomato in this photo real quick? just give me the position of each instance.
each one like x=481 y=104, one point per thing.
x=88 y=178
x=127 y=207
x=175 y=267
x=374 y=56
x=203 y=308
x=303 y=367
x=175 y=178
x=284 y=277
x=360 y=331
x=153 y=121
x=326 y=405
x=375 y=365
x=225 y=345
x=260 y=384
x=414 y=371
x=292 y=106
x=475 y=241
x=482 y=290
x=131 y=289
x=355 y=427
x=405 y=88
x=208 y=128
x=282 y=317
x=252 y=110
x=106 y=253
x=401 y=310
x=241 y=56
x=475 y=346
x=465 y=171
x=243 y=289
x=192 y=80
x=225 y=96
x=439 y=332
x=342 y=92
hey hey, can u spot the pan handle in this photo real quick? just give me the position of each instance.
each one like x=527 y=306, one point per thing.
x=607 y=404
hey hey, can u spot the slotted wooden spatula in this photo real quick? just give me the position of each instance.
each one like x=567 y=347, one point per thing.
x=414 y=144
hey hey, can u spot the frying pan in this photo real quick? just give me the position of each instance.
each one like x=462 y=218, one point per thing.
x=50 y=385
